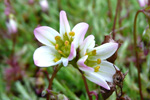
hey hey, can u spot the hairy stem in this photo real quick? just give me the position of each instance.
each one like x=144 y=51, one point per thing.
x=136 y=53
x=56 y=69
x=86 y=86
x=115 y=19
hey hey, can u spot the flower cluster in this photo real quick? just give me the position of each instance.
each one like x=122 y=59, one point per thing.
x=66 y=45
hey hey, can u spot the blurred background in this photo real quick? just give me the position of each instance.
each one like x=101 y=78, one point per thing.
x=20 y=79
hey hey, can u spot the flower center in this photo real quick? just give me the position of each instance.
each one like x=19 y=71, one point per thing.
x=92 y=63
x=92 y=53
x=63 y=46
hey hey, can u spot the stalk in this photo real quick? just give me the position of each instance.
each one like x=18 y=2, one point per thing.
x=86 y=86
x=114 y=25
x=136 y=53
x=56 y=69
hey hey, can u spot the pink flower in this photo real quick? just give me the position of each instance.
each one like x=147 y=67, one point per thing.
x=31 y=2
x=59 y=48
x=143 y=2
x=44 y=5
x=93 y=61
x=11 y=25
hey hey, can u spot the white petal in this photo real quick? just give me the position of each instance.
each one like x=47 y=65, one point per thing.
x=64 y=24
x=107 y=76
x=80 y=30
x=98 y=79
x=87 y=44
x=107 y=70
x=46 y=35
x=143 y=2
x=65 y=61
x=44 y=56
x=105 y=51
x=12 y=26
x=82 y=66
x=44 y=5
x=107 y=67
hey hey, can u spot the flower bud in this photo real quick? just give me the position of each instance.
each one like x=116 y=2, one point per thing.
x=62 y=97
x=44 y=5
x=143 y=2
x=44 y=92
x=31 y=2
x=11 y=25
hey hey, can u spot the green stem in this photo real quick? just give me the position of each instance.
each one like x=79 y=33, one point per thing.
x=136 y=53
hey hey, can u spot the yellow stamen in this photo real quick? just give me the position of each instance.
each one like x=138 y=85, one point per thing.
x=94 y=52
x=86 y=53
x=66 y=33
x=57 y=38
x=98 y=61
x=66 y=43
x=59 y=51
x=56 y=46
x=96 y=69
x=71 y=33
x=56 y=59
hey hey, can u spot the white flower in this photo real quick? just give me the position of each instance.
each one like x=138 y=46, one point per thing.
x=143 y=2
x=11 y=25
x=44 y=5
x=93 y=61
x=59 y=47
